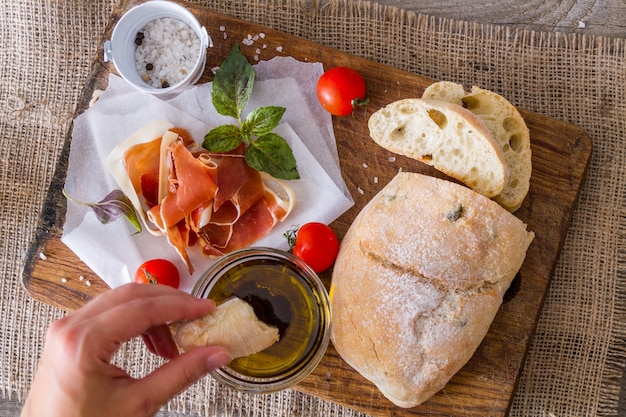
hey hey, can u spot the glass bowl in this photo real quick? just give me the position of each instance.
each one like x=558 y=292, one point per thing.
x=284 y=292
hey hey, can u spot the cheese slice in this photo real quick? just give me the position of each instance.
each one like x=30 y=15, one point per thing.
x=232 y=325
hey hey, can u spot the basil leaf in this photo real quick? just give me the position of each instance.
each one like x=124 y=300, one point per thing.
x=262 y=120
x=222 y=139
x=232 y=89
x=232 y=85
x=115 y=205
x=271 y=153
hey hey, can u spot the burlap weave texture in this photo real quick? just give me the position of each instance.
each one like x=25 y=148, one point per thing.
x=577 y=358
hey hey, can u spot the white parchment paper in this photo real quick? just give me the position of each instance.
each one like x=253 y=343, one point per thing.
x=113 y=251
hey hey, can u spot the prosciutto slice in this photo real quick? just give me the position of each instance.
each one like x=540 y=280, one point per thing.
x=192 y=197
x=237 y=182
x=253 y=224
x=190 y=185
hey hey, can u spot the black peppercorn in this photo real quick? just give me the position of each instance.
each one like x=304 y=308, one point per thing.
x=149 y=67
x=139 y=38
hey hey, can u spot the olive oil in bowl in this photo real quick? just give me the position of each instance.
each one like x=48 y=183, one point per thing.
x=284 y=293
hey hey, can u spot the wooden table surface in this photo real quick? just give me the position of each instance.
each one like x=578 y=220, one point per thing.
x=603 y=17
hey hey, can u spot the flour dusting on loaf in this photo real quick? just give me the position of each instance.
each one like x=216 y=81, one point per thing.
x=419 y=278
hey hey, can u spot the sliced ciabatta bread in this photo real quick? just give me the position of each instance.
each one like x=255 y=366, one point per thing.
x=420 y=276
x=507 y=127
x=445 y=135
x=445 y=90
x=233 y=325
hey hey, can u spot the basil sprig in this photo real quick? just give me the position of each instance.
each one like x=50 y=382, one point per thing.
x=266 y=151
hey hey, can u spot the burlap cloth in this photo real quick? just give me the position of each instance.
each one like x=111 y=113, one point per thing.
x=576 y=362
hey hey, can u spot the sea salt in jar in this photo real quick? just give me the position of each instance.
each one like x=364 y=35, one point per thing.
x=166 y=52
x=158 y=47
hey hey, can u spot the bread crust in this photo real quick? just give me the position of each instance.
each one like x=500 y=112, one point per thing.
x=419 y=278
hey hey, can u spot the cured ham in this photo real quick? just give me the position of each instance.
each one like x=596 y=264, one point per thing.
x=195 y=198
x=237 y=182
x=143 y=169
x=116 y=164
x=252 y=225
x=190 y=185
x=245 y=207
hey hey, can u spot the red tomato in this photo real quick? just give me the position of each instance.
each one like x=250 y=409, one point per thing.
x=340 y=90
x=317 y=245
x=158 y=271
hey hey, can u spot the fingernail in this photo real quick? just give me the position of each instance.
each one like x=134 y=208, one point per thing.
x=209 y=302
x=217 y=360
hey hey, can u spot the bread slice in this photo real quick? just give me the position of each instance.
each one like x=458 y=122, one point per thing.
x=444 y=135
x=419 y=278
x=233 y=325
x=507 y=127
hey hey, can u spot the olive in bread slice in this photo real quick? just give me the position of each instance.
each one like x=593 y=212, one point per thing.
x=507 y=127
x=420 y=276
x=233 y=324
x=446 y=136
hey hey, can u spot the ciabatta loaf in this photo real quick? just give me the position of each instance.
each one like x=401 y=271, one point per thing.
x=507 y=127
x=419 y=278
x=445 y=135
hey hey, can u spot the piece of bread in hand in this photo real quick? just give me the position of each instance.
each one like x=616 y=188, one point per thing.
x=232 y=325
x=507 y=127
x=420 y=276
x=445 y=135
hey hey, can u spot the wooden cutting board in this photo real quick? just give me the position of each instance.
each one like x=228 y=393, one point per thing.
x=485 y=386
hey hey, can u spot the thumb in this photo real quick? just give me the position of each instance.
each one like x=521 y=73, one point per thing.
x=173 y=377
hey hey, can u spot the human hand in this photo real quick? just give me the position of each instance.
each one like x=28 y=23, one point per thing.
x=75 y=377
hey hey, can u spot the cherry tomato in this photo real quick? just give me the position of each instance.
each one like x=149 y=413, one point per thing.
x=340 y=90
x=317 y=245
x=158 y=271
